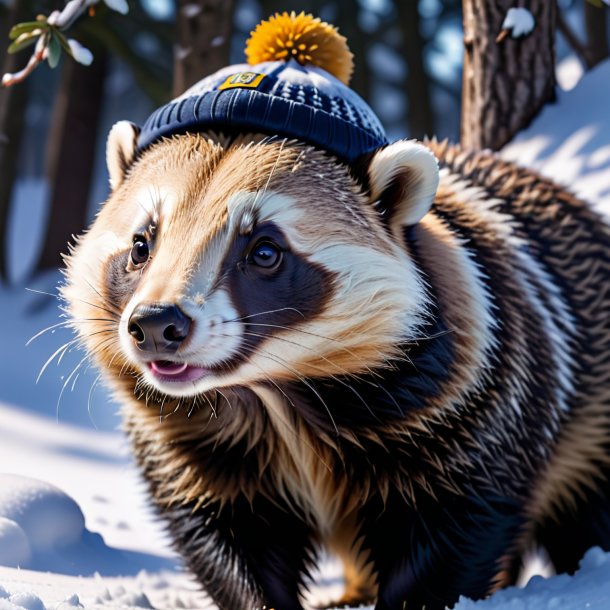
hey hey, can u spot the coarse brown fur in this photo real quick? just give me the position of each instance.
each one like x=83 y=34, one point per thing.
x=439 y=402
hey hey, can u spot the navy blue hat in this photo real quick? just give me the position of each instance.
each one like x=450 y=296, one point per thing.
x=281 y=98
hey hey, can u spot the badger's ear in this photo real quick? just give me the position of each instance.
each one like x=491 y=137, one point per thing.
x=403 y=178
x=120 y=150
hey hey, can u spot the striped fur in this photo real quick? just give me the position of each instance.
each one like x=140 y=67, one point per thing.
x=439 y=402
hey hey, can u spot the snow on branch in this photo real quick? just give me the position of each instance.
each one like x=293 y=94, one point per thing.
x=517 y=23
x=46 y=33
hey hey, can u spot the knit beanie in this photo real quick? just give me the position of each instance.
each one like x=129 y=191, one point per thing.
x=294 y=85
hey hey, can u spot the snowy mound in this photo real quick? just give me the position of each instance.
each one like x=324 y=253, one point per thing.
x=569 y=141
x=39 y=524
x=589 y=588
x=20 y=601
x=42 y=528
x=26 y=590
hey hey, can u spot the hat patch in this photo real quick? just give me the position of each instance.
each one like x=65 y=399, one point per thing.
x=247 y=80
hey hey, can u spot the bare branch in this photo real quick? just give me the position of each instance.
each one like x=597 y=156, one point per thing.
x=49 y=31
x=37 y=56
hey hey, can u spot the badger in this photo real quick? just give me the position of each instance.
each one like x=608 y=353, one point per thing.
x=402 y=359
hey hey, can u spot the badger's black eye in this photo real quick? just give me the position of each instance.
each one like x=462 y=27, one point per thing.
x=139 y=251
x=266 y=255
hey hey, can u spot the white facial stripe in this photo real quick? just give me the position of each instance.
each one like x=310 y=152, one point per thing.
x=268 y=207
x=379 y=299
x=147 y=209
x=240 y=201
x=104 y=247
x=379 y=295
x=100 y=248
x=217 y=332
x=208 y=268
x=92 y=253
x=215 y=337
x=281 y=209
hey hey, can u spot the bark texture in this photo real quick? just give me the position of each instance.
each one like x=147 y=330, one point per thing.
x=203 y=37
x=505 y=83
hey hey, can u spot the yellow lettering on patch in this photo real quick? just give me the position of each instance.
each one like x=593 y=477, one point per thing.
x=248 y=80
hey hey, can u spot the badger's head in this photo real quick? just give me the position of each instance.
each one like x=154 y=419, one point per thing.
x=251 y=261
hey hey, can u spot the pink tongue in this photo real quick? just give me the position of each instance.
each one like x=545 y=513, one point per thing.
x=168 y=368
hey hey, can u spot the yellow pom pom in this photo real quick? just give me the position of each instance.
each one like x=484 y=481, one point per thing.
x=303 y=38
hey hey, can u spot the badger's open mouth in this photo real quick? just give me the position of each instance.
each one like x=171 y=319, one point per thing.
x=166 y=370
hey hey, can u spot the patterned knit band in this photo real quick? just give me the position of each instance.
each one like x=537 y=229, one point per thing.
x=277 y=98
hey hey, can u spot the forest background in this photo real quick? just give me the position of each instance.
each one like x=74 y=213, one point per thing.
x=409 y=58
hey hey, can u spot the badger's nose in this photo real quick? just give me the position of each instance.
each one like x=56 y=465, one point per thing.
x=159 y=328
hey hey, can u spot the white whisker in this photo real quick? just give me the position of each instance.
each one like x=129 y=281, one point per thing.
x=90 y=397
x=262 y=313
x=64 y=347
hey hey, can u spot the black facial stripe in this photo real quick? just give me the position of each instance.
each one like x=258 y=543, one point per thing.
x=119 y=283
x=268 y=303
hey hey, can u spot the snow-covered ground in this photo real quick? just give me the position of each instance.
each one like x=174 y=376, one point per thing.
x=570 y=140
x=75 y=527
x=96 y=547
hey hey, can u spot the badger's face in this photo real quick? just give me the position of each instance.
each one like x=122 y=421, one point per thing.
x=216 y=266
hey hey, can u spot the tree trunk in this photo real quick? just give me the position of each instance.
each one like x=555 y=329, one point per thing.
x=70 y=154
x=5 y=27
x=203 y=39
x=358 y=44
x=505 y=84
x=13 y=101
x=596 y=25
x=420 y=117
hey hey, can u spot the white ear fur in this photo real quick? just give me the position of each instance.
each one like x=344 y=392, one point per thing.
x=407 y=173
x=120 y=150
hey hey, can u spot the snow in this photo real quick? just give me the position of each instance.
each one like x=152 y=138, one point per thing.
x=32 y=308
x=86 y=529
x=569 y=72
x=588 y=588
x=92 y=467
x=28 y=601
x=46 y=520
x=76 y=529
x=15 y=550
x=519 y=21
x=49 y=528
x=45 y=591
